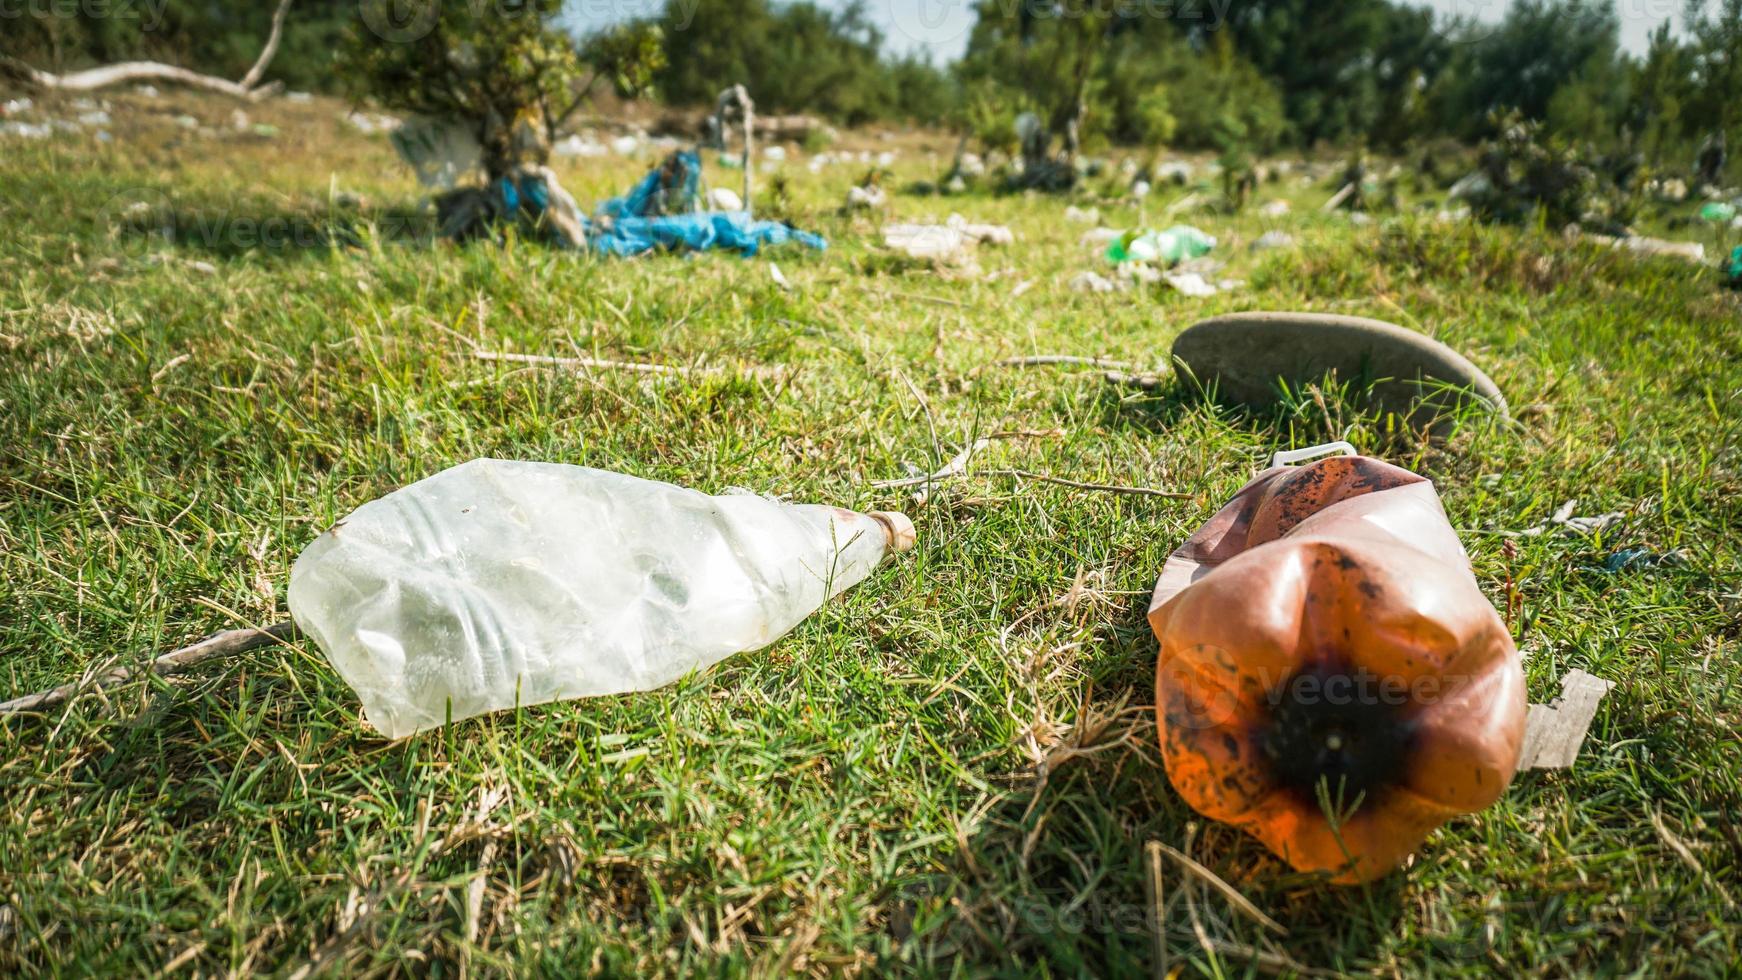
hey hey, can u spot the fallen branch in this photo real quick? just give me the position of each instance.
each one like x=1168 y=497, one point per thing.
x=225 y=644
x=1044 y=360
x=106 y=76
x=1101 y=487
x=578 y=363
x=585 y=364
x=954 y=468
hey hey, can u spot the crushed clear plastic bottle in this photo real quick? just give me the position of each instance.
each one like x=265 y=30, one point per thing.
x=496 y=583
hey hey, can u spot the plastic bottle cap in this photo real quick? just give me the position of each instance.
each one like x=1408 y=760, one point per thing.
x=899 y=528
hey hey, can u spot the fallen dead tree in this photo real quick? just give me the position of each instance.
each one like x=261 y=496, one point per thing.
x=120 y=73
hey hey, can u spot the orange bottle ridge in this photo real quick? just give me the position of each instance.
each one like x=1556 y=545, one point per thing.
x=1330 y=677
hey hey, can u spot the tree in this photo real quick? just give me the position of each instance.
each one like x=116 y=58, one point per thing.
x=220 y=40
x=1714 y=107
x=501 y=69
x=1541 y=48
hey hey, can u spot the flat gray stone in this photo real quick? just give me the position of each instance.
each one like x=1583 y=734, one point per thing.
x=1243 y=356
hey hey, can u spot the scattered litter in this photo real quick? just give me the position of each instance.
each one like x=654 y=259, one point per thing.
x=779 y=277
x=1554 y=732
x=1717 y=212
x=368 y=123
x=1140 y=189
x=1644 y=245
x=497 y=584
x=1189 y=284
x=625 y=146
x=25 y=130
x=1563 y=518
x=984 y=234
x=96 y=117
x=12 y=107
x=1343 y=194
x=1092 y=282
x=971 y=165
x=1087 y=216
x=1141 y=272
x=724 y=199
x=1099 y=238
x=1275 y=208
x=1641 y=559
x=1472 y=185
x=930 y=241
x=186 y=121
x=1177 y=171
x=924 y=241
x=439 y=152
x=1674 y=189
x=1360 y=219
x=732 y=230
x=1387 y=575
x=1273 y=239
x=865 y=198
x=575 y=145
x=655 y=214
x=1733 y=269
x=1170 y=246
x=298 y=98
x=238 y=120
x=775 y=153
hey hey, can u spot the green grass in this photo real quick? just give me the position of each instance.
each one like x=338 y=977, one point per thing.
x=893 y=787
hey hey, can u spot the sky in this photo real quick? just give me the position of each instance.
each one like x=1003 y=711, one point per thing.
x=939 y=28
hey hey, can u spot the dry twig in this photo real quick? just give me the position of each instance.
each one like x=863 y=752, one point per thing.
x=225 y=644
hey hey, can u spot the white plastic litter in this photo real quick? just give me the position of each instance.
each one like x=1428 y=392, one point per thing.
x=724 y=199
x=440 y=152
x=575 y=145
x=497 y=583
x=865 y=198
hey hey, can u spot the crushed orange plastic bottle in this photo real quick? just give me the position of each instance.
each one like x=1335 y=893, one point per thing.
x=1331 y=679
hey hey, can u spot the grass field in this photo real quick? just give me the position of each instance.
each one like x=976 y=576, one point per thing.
x=950 y=770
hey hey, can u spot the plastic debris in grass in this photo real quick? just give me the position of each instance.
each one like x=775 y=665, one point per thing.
x=1640 y=559
x=498 y=584
x=1733 y=269
x=731 y=230
x=439 y=151
x=669 y=188
x=1171 y=246
x=1717 y=212
x=949 y=240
